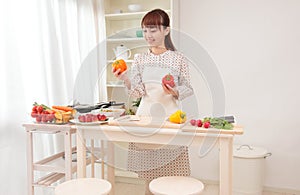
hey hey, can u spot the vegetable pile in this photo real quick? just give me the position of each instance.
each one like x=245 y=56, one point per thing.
x=56 y=114
x=207 y=122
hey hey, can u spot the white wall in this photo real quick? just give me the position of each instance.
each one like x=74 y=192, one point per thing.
x=256 y=46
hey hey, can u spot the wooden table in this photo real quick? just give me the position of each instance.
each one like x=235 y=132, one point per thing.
x=165 y=133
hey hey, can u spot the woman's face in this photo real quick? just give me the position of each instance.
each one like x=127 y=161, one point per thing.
x=155 y=35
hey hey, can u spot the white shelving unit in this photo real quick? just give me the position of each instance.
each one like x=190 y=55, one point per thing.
x=58 y=166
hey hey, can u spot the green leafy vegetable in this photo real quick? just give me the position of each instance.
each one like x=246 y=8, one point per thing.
x=218 y=123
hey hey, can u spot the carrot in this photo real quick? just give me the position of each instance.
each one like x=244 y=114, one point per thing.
x=64 y=108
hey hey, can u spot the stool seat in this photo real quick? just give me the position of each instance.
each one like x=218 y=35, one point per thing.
x=176 y=185
x=84 y=186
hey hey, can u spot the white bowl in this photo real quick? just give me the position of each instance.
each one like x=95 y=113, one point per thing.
x=110 y=112
x=134 y=7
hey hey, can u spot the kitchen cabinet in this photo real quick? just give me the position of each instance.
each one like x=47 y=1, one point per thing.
x=123 y=28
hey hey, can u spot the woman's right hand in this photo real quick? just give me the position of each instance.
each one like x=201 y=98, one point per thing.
x=121 y=76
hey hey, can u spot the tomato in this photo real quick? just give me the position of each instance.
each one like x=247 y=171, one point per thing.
x=50 y=117
x=45 y=112
x=193 y=122
x=34 y=109
x=168 y=79
x=102 y=117
x=89 y=118
x=38 y=119
x=94 y=118
x=206 y=124
x=119 y=64
x=44 y=118
x=199 y=123
x=34 y=114
x=39 y=109
x=81 y=118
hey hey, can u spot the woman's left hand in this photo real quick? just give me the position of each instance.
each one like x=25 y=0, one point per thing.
x=169 y=90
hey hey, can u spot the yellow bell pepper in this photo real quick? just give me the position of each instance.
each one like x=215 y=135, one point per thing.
x=178 y=117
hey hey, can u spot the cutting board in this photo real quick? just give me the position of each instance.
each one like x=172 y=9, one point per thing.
x=144 y=121
x=238 y=130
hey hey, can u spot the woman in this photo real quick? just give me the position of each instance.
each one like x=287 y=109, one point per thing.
x=158 y=100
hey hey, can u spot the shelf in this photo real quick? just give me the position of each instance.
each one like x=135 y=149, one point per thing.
x=113 y=86
x=125 y=16
x=127 y=61
x=128 y=15
x=116 y=40
x=54 y=163
x=49 y=179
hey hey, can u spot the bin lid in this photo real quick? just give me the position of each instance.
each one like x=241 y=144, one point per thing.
x=246 y=151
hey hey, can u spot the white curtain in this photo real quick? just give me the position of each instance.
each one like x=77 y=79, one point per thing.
x=43 y=47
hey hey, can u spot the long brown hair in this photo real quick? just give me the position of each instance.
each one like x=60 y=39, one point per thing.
x=158 y=17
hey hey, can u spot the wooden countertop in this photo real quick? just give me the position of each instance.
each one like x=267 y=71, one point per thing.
x=151 y=122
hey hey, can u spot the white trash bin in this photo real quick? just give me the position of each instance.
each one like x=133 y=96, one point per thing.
x=248 y=169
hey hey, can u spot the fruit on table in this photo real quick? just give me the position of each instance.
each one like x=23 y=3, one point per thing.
x=168 y=80
x=42 y=113
x=120 y=64
x=45 y=114
x=178 y=117
x=193 y=122
x=39 y=109
x=92 y=118
x=63 y=117
x=206 y=124
x=199 y=123
x=63 y=113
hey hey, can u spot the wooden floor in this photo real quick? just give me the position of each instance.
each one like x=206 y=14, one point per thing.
x=138 y=189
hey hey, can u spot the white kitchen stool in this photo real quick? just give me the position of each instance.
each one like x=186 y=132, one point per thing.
x=84 y=186
x=176 y=185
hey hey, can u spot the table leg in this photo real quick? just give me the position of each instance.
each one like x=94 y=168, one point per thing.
x=226 y=144
x=102 y=159
x=30 y=163
x=93 y=158
x=111 y=166
x=81 y=155
x=68 y=155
